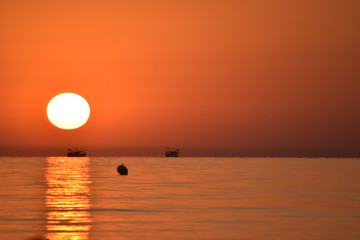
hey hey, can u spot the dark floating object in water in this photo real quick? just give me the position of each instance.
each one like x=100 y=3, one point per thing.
x=122 y=169
x=76 y=153
x=169 y=152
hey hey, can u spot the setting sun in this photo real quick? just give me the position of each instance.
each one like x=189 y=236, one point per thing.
x=68 y=111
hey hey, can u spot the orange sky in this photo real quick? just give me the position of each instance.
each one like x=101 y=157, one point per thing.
x=235 y=77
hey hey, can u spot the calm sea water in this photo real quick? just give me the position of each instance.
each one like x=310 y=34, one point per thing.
x=179 y=198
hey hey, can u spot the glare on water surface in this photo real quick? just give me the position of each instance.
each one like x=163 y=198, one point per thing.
x=67 y=198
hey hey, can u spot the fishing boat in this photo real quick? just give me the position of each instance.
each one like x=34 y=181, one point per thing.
x=170 y=152
x=76 y=153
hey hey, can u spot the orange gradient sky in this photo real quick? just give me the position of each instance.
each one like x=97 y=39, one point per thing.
x=266 y=78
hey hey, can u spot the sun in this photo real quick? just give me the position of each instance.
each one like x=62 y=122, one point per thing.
x=68 y=111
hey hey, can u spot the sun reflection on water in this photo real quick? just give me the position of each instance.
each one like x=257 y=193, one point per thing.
x=67 y=198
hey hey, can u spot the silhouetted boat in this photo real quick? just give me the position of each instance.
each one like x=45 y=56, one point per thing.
x=169 y=152
x=76 y=153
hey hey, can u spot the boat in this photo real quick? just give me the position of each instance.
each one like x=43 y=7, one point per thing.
x=76 y=153
x=171 y=152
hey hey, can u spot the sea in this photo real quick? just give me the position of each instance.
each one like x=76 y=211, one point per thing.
x=84 y=198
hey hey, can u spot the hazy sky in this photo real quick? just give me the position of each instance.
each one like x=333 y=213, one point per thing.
x=220 y=77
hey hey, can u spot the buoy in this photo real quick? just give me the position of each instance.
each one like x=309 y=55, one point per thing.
x=122 y=169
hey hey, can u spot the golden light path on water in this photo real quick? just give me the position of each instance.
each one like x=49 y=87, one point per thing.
x=67 y=198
